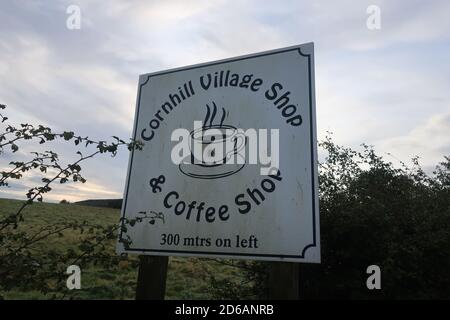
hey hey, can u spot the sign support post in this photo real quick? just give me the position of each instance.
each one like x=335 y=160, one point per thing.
x=284 y=281
x=151 y=283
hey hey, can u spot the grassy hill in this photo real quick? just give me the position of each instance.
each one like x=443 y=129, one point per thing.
x=187 y=277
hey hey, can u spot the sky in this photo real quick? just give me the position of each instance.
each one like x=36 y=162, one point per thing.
x=387 y=87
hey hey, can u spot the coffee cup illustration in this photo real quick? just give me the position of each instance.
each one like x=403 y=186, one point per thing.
x=216 y=145
x=214 y=149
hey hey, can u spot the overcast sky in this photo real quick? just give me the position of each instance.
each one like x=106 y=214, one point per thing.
x=386 y=87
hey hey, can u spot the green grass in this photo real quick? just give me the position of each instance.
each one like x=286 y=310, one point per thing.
x=187 y=277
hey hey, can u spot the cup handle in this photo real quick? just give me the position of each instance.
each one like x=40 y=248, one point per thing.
x=239 y=144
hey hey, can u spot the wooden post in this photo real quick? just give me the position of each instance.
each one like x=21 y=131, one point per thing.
x=151 y=283
x=284 y=281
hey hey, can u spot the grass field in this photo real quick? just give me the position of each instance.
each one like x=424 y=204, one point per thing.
x=187 y=277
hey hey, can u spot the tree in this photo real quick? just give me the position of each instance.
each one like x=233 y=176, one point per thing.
x=23 y=263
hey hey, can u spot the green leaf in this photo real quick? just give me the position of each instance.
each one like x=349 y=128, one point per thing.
x=68 y=135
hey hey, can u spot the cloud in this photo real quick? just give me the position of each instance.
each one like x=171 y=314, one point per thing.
x=70 y=191
x=386 y=87
x=431 y=140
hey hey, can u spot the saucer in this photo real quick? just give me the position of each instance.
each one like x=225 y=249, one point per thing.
x=210 y=172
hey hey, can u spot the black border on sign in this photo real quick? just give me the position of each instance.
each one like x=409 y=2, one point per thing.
x=313 y=160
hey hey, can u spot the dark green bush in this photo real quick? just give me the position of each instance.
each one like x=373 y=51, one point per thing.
x=374 y=213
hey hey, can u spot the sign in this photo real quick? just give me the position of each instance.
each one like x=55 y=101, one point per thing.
x=229 y=165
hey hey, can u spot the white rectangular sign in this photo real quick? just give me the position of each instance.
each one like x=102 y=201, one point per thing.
x=229 y=165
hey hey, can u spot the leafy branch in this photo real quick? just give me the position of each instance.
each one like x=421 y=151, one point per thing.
x=23 y=262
